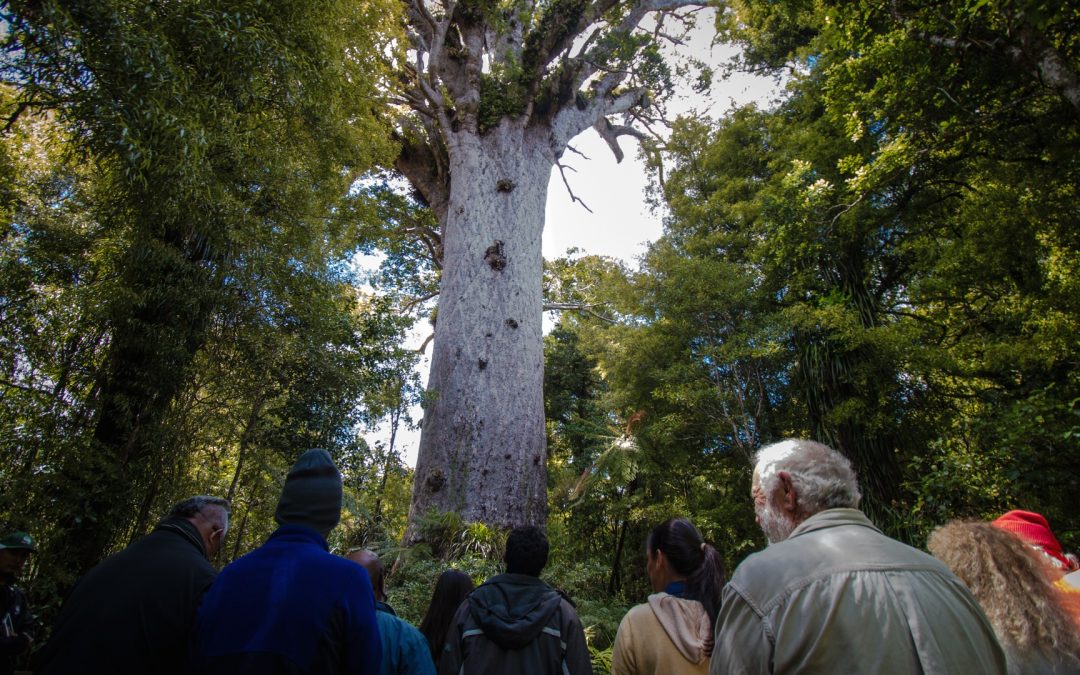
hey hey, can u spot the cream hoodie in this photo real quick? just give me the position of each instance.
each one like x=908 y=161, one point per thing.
x=666 y=636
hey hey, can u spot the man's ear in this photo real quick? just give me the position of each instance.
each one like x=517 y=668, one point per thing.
x=789 y=497
x=216 y=539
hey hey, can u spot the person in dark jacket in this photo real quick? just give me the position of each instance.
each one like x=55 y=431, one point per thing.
x=514 y=622
x=16 y=619
x=290 y=606
x=404 y=649
x=134 y=613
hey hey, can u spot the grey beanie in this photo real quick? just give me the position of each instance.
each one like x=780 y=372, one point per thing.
x=312 y=493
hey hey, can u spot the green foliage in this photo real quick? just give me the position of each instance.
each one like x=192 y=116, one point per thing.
x=477 y=550
x=601 y=660
x=449 y=538
x=411 y=581
x=503 y=95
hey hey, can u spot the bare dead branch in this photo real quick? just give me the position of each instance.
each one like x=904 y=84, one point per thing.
x=610 y=133
x=573 y=197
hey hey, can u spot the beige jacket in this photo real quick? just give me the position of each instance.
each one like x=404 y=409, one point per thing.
x=665 y=636
x=838 y=596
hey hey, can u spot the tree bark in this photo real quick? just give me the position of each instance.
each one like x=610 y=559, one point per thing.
x=482 y=452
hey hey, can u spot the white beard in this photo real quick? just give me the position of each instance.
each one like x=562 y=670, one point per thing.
x=776 y=525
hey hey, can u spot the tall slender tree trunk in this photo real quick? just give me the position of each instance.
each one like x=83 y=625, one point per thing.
x=615 y=580
x=482 y=452
x=245 y=442
x=388 y=462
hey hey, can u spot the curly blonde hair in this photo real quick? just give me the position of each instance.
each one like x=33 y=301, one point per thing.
x=1015 y=588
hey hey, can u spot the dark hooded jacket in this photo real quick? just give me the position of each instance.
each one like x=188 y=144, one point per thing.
x=515 y=623
x=135 y=612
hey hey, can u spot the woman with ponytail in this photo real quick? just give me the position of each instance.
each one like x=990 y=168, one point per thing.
x=671 y=634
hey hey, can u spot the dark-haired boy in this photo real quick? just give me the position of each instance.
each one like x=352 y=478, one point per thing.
x=516 y=623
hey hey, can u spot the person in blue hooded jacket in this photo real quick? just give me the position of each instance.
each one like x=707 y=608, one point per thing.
x=405 y=650
x=290 y=606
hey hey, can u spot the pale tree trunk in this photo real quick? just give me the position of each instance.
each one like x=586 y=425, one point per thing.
x=482 y=451
x=495 y=98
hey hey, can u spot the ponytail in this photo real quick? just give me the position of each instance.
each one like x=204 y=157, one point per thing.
x=707 y=581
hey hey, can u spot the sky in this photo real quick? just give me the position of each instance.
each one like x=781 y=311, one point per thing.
x=620 y=224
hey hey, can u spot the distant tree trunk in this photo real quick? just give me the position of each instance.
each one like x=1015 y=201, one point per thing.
x=238 y=538
x=142 y=522
x=153 y=344
x=245 y=442
x=828 y=373
x=615 y=580
x=482 y=452
x=388 y=461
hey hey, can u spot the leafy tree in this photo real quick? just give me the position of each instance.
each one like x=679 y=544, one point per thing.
x=53 y=295
x=969 y=112
x=220 y=135
x=629 y=455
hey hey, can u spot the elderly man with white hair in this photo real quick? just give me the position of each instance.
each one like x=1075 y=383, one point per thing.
x=832 y=594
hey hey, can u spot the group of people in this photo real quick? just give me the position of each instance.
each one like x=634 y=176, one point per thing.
x=830 y=594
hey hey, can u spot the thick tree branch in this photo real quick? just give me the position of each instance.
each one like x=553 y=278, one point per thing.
x=464 y=84
x=610 y=133
x=420 y=18
x=1034 y=53
x=1054 y=71
x=556 y=31
x=427 y=170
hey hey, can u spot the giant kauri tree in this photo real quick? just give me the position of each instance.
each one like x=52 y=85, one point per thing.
x=495 y=92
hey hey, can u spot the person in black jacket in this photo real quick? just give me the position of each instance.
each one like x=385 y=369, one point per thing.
x=16 y=620
x=135 y=612
x=516 y=623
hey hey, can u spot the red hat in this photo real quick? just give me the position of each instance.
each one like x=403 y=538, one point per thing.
x=1033 y=529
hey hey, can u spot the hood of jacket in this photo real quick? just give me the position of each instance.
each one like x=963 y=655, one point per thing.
x=685 y=621
x=512 y=609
